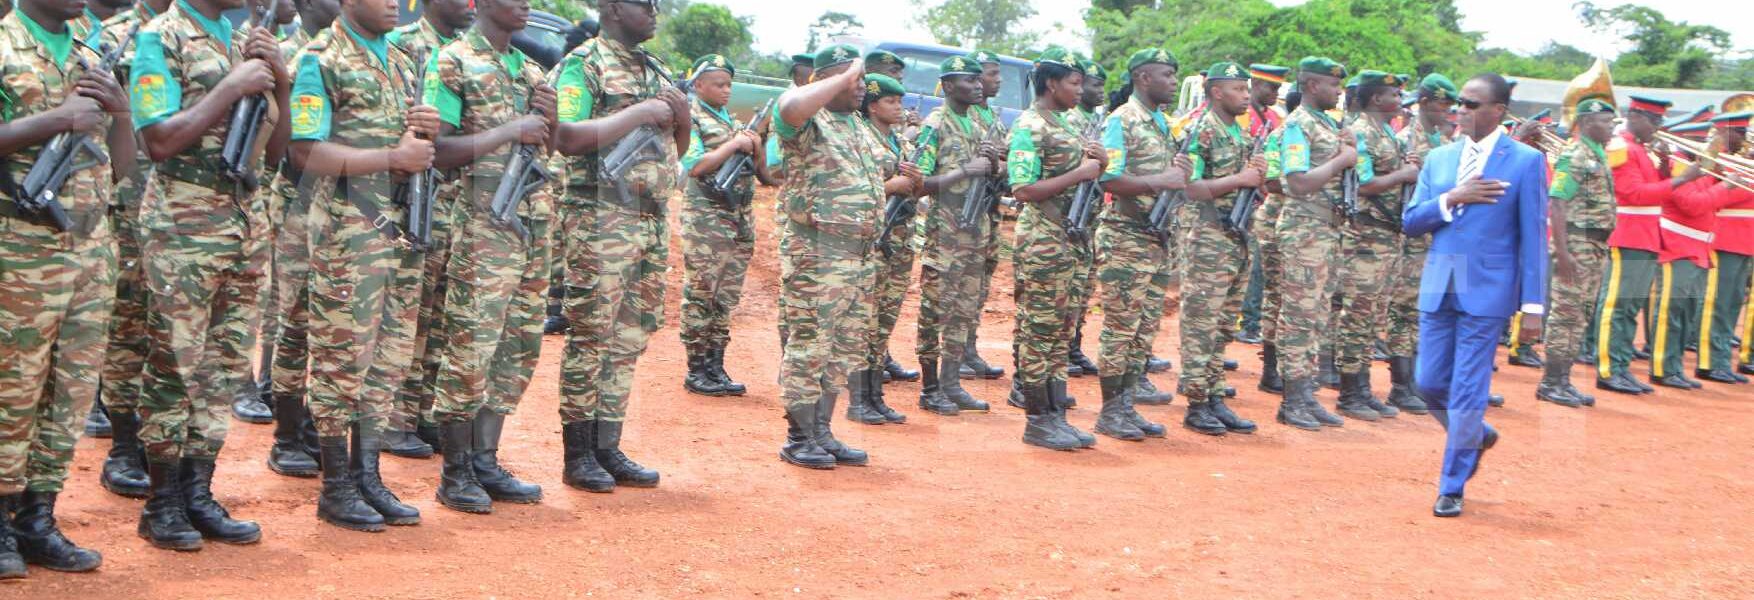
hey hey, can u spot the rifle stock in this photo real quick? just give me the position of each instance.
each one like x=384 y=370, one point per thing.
x=246 y=125
x=62 y=157
x=897 y=210
x=723 y=184
x=1082 y=211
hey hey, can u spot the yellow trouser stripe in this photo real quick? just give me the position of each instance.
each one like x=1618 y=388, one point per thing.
x=1705 y=317
x=1748 y=326
x=1516 y=332
x=1662 y=317
x=1605 y=329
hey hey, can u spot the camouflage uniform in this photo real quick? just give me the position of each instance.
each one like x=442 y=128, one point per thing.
x=492 y=319
x=895 y=271
x=1084 y=284
x=1265 y=229
x=1214 y=261
x=125 y=356
x=286 y=309
x=616 y=255
x=1403 y=330
x=1308 y=234
x=364 y=289
x=1581 y=178
x=717 y=241
x=952 y=260
x=56 y=288
x=206 y=244
x=1370 y=248
x=1048 y=262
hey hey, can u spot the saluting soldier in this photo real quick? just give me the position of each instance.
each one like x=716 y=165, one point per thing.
x=491 y=100
x=1430 y=129
x=1582 y=196
x=617 y=235
x=718 y=235
x=1689 y=225
x=60 y=283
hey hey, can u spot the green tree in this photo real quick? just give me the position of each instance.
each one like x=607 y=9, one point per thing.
x=570 y=10
x=702 y=29
x=833 y=23
x=995 y=25
x=1664 y=53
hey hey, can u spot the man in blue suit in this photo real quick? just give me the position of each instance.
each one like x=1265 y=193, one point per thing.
x=1484 y=200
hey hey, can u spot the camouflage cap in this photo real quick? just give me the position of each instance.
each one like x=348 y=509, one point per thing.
x=834 y=56
x=1268 y=73
x=878 y=86
x=1056 y=55
x=879 y=58
x=1226 y=71
x=709 y=63
x=1594 y=106
x=959 y=65
x=984 y=57
x=1438 y=86
x=1152 y=56
x=1321 y=65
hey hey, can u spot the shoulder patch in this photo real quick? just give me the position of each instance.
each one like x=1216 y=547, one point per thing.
x=307 y=111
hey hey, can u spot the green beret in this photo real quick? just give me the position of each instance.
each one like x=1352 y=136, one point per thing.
x=1321 y=65
x=1374 y=77
x=1226 y=71
x=1353 y=82
x=1269 y=73
x=711 y=62
x=1440 y=87
x=1592 y=106
x=1406 y=79
x=1056 y=55
x=833 y=56
x=1152 y=56
x=803 y=59
x=984 y=57
x=959 y=65
x=878 y=86
x=879 y=58
x=1092 y=69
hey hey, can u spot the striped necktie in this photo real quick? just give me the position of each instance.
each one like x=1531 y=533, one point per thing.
x=1473 y=158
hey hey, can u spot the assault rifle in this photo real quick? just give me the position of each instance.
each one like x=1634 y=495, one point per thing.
x=1169 y=202
x=1081 y=213
x=1246 y=198
x=246 y=124
x=897 y=211
x=723 y=186
x=64 y=155
x=524 y=174
x=983 y=192
x=645 y=144
x=420 y=192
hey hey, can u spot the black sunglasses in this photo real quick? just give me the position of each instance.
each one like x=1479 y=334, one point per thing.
x=1472 y=104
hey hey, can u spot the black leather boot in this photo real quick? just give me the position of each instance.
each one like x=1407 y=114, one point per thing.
x=896 y=372
x=248 y=406
x=1015 y=397
x=581 y=469
x=950 y=385
x=974 y=365
x=842 y=453
x=554 y=322
x=458 y=489
x=164 y=521
x=1043 y=428
x=1201 y=420
x=364 y=465
x=11 y=562
x=1524 y=356
x=124 y=471
x=1352 y=403
x=205 y=512
x=1327 y=374
x=859 y=409
x=1232 y=422
x=1146 y=393
x=97 y=422
x=1401 y=386
x=1271 y=381
x=288 y=455
x=800 y=447
x=623 y=469
x=882 y=407
x=1112 y=421
x=1318 y=412
x=1157 y=365
x=430 y=434
x=41 y=542
x=1370 y=399
x=340 y=504
x=1292 y=411
x=700 y=378
x=932 y=389
x=717 y=366
x=1555 y=376
x=1079 y=363
x=1146 y=426
x=500 y=484
x=1058 y=399
x=404 y=444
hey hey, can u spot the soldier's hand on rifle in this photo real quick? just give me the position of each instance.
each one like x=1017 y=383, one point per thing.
x=978 y=167
x=1093 y=149
x=1089 y=169
x=1255 y=174
x=746 y=142
x=678 y=103
x=655 y=112
x=102 y=87
x=542 y=101
x=422 y=121
x=262 y=46
x=411 y=154
x=1348 y=154
x=532 y=129
x=912 y=172
x=252 y=77
x=81 y=113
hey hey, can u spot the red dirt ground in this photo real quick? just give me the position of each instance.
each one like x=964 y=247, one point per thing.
x=1636 y=498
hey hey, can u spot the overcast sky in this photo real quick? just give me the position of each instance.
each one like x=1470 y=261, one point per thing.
x=1521 y=25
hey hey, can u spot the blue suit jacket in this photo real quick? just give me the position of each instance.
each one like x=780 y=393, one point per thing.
x=1493 y=256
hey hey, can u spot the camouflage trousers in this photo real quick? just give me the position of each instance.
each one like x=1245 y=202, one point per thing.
x=492 y=320
x=1370 y=253
x=615 y=266
x=1265 y=229
x=414 y=402
x=1403 y=333
x=1215 y=271
x=125 y=356
x=1307 y=246
x=1726 y=290
x=290 y=312
x=826 y=312
x=1574 y=302
x=894 y=274
x=55 y=306
x=1133 y=269
x=953 y=278
x=1047 y=267
x=717 y=243
x=365 y=301
x=202 y=317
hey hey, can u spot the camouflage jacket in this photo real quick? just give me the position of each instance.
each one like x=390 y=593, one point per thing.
x=951 y=140
x=1139 y=144
x=1043 y=146
x=833 y=196
x=475 y=89
x=1379 y=153
x=1311 y=138
x=419 y=40
x=295 y=41
x=598 y=79
x=179 y=57
x=1582 y=179
x=128 y=191
x=1217 y=150
x=343 y=92
x=1419 y=141
x=32 y=82
x=712 y=128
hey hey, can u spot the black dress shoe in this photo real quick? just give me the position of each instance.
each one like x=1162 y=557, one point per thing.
x=1248 y=337
x=555 y=325
x=1640 y=355
x=1718 y=375
x=1231 y=365
x=1740 y=378
x=1620 y=383
x=1746 y=369
x=1587 y=358
x=1525 y=357
x=1448 y=505
x=1677 y=381
x=1495 y=400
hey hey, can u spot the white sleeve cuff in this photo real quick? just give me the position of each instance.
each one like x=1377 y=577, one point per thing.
x=1534 y=309
x=1443 y=207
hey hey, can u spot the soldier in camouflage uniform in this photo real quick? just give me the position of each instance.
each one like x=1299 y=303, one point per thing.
x=1090 y=107
x=124 y=471
x=895 y=260
x=888 y=64
x=1266 y=229
x=717 y=234
x=1048 y=159
x=206 y=249
x=1215 y=256
x=1261 y=119
x=992 y=80
x=1370 y=244
x=832 y=205
x=617 y=235
x=353 y=134
x=441 y=23
x=1431 y=128
x=1582 y=197
x=57 y=286
x=491 y=99
x=1315 y=150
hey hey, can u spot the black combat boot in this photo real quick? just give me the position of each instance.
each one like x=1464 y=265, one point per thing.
x=800 y=447
x=1327 y=374
x=1402 y=394
x=1059 y=401
x=973 y=366
x=458 y=488
x=581 y=469
x=205 y=512
x=370 y=481
x=429 y=433
x=1146 y=426
x=1112 y=421
x=404 y=444
x=1201 y=420
x=1524 y=356
x=1555 y=376
x=859 y=408
x=878 y=404
x=1043 y=428
x=824 y=435
x=248 y=405
x=97 y=422
x=700 y=378
x=1271 y=380
x=164 y=521
x=1015 y=397
x=41 y=542
x=717 y=366
x=340 y=504
x=500 y=484
x=893 y=371
x=1292 y=411
x=124 y=471
x=950 y=386
x=608 y=450
x=1232 y=422
x=554 y=322
x=1320 y=413
x=288 y=456
x=1352 y=393
x=1146 y=393
x=11 y=562
x=1077 y=363
x=932 y=386
x=1157 y=365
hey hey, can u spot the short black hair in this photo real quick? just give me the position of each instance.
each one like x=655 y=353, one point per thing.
x=1496 y=85
x=1049 y=72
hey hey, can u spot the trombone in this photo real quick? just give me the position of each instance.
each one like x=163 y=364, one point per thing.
x=1549 y=139
x=1733 y=169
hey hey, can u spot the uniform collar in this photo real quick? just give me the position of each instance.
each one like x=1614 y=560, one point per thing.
x=144 y=8
x=220 y=28
x=1156 y=115
x=716 y=112
x=378 y=48
x=58 y=45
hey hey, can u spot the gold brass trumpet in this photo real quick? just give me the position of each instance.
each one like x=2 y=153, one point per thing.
x=1734 y=169
x=1550 y=141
